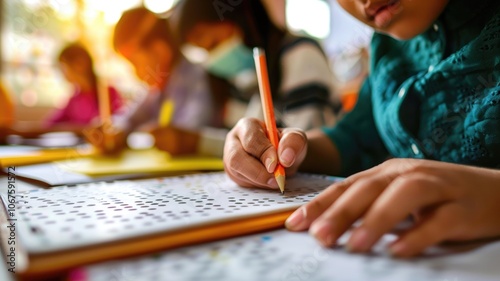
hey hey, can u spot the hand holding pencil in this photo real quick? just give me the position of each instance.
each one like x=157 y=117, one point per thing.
x=251 y=157
x=268 y=109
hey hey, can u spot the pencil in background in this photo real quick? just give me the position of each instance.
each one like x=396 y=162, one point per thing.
x=105 y=113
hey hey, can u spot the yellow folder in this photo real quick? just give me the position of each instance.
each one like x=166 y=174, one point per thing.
x=139 y=161
x=46 y=155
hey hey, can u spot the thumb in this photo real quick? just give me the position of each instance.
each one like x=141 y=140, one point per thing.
x=292 y=147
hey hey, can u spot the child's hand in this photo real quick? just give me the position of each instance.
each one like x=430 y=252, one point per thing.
x=250 y=158
x=176 y=141
x=449 y=202
x=107 y=140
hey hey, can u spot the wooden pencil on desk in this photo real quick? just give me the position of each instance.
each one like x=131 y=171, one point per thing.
x=268 y=109
x=105 y=113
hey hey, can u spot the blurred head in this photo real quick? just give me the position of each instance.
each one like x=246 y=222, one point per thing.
x=77 y=65
x=401 y=19
x=147 y=43
x=227 y=30
x=209 y=35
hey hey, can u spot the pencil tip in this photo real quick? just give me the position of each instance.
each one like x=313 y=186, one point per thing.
x=281 y=183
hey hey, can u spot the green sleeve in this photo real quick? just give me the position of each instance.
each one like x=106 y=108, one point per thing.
x=356 y=136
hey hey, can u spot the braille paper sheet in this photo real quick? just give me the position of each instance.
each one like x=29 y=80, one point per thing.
x=76 y=217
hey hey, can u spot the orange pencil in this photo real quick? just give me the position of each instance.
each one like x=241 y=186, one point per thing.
x=268 y=108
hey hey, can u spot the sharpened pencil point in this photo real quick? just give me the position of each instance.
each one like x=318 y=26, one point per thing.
x=281 y=183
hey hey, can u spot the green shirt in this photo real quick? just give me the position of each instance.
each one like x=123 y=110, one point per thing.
x=436 y=96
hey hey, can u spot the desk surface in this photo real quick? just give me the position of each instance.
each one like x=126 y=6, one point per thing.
x=283 y=255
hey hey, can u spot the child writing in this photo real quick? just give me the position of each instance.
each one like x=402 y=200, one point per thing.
x=146 y=41
x=431 y=103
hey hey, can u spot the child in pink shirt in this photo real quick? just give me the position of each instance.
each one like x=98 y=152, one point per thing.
x=77 y=67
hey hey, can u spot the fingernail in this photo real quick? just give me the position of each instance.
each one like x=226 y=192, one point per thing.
x=272 y=183
x=322 y=232
x=295 y=220
x=359 y=241
x=397 y=249
x=269 y=164
x=287 y=157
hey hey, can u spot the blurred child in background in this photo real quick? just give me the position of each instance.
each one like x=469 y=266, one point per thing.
x=83 y=106
x=146 y=41
x=81 y=110
x=301 y=80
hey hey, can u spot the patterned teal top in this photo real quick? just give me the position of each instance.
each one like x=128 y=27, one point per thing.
x=436 y=96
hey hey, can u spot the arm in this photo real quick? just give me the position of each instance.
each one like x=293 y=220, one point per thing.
x=350 y=146
x=357 y=138
x=123 y=124
x=142 y=113
x=196 y=111
x=322 y=155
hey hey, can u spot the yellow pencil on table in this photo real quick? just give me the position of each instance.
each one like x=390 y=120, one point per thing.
x=268 y=109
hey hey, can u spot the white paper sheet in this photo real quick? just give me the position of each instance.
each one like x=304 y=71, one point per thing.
x=70 y=217
x=282 y=255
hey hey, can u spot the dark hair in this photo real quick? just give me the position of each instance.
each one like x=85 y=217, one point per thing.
x=76 y=53
x=249 y=15
x=130 y=23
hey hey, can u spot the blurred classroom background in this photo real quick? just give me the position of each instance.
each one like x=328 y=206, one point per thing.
x=33 y=32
